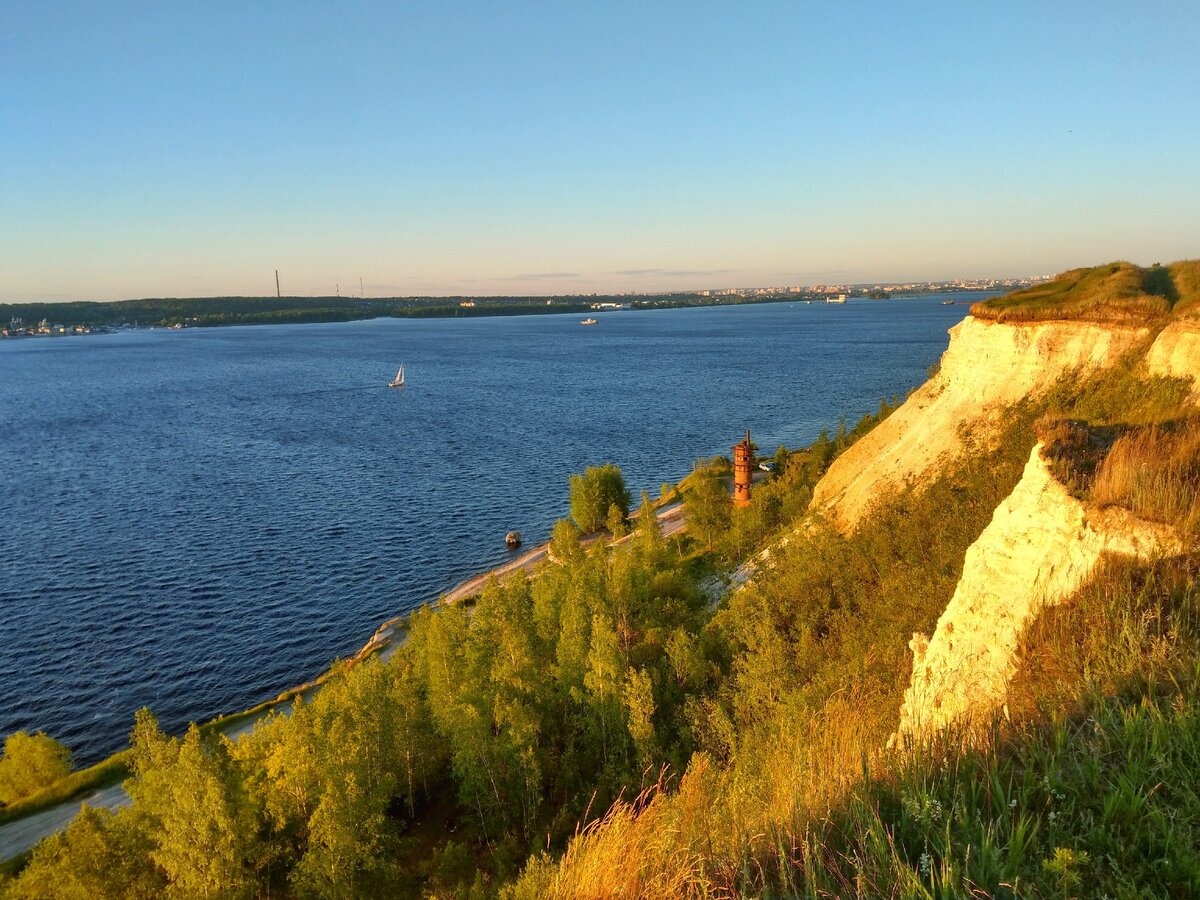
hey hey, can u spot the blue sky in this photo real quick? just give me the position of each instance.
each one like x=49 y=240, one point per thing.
x=160 y=149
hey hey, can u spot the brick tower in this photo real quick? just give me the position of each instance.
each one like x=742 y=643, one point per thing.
x=743 y=471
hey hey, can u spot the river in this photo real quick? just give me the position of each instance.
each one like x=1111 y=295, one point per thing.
x=196 y=520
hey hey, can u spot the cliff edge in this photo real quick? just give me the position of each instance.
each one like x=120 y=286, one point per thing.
x=988 y=366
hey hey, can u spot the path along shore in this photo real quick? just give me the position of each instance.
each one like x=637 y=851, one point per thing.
x=21 y=835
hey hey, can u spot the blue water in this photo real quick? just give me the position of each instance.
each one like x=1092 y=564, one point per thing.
x=197 y=520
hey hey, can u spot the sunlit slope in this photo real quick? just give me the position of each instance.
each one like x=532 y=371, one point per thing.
x=1114 y=292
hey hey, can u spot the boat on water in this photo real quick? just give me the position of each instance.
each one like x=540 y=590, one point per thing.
x=398 y=381
x=947 y=303
x=589 y=321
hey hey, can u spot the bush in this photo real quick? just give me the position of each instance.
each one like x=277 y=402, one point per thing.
x=30 y=763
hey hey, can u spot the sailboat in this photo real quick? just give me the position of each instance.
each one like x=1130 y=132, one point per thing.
x=398 y=381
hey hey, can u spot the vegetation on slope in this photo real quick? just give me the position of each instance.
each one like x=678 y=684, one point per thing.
x=1116 y=292
x=1086 y=781
x=817 y=669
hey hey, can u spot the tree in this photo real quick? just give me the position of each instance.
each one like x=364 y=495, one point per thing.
x=639 y=702
x=565 y=548
x=707 y=507
x=101 y=856
x=593 y=492
x=615 y=521
x=649 y=538
x=781 y=461
x=203 y=828
x=30 y=763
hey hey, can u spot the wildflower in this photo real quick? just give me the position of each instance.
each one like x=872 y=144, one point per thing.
x=926 y=864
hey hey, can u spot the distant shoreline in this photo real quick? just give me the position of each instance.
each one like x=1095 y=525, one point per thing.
x=69 y=318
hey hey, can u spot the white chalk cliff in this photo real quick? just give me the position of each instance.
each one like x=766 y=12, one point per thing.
x=1042 y=543
x=1041 y=546
x=988 y=365
x=1176 y=352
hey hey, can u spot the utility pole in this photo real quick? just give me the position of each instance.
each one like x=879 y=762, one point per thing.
x=360 y=290
x=276 y=284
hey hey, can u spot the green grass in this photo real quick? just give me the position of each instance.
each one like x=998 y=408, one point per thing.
x=1103 y=805
x=1115 y=292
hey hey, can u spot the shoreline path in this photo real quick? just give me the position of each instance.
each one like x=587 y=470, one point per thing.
x=21 y=835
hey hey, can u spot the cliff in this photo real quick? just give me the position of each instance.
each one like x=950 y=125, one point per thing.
x=1041 y=545
x=988 y=365
x=1176 y=352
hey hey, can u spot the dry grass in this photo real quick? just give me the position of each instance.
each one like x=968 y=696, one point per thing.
x=1131 y=625
x=1154 y=472
x=1115 y=292
x=722 y=827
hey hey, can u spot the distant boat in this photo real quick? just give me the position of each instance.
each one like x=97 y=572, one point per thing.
x=589 y=321
x=398 y=381
x=947 y=303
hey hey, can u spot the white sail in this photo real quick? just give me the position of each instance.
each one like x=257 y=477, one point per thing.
x=398 y=381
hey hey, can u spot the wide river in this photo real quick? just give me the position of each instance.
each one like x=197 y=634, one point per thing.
x=194 y=521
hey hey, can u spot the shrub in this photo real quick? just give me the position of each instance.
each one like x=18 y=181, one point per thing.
x=30 y=763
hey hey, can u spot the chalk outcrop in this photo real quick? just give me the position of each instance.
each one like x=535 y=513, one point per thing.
x=1176 y=353
x=1040 y=547
x=988 y=365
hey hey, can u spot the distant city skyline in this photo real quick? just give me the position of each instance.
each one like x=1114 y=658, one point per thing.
x=526 y=149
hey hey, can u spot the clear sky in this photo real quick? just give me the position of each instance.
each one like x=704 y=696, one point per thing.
x=171 y=149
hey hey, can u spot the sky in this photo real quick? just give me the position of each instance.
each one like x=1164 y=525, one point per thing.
x=169 y=149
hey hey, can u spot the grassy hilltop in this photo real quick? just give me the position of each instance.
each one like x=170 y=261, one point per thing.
x=632 y=723
x=1115 y=292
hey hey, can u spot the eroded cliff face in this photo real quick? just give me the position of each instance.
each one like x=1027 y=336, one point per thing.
x=1176 y=353
x=1040 y=547
x=987 y=366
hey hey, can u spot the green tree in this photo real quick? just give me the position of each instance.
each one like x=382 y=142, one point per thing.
x=593 y=492
x=649 y=540
x=564 y=543
x=782 y=455
x=639 y=704
x=708 y=508
x=346 y=841
x=101 y=856
x=615 y=521
x=30 y=763
x=202 y=827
